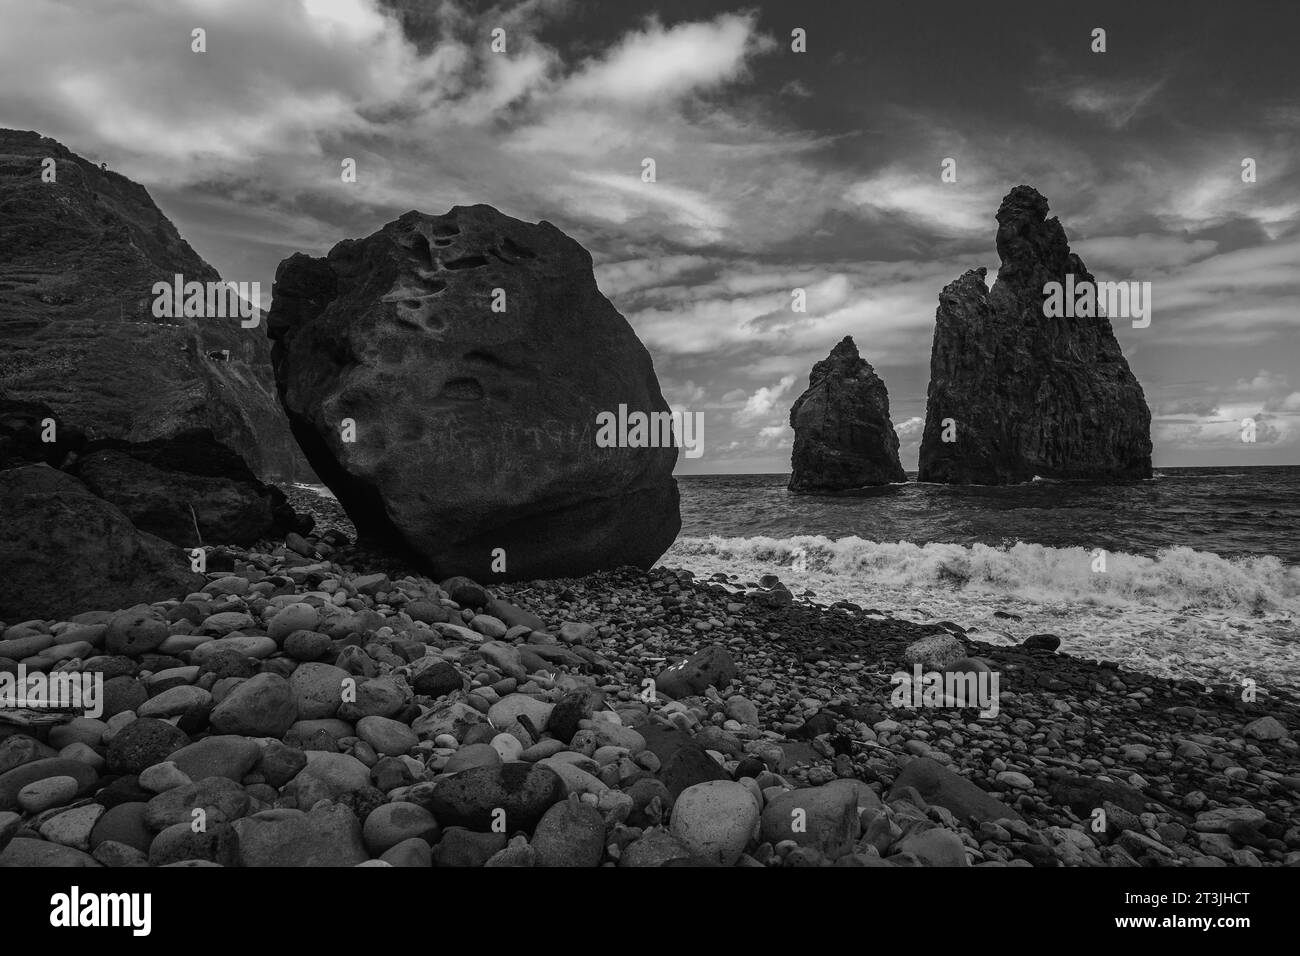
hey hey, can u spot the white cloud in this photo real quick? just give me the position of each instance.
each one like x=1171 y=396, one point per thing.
x=909 y=430
x=632 y=275
x=951 y=209
x=658 y=64
x=761 y=404
x=1115 y=102
x=241 y=146
x=774 y=436
x=1262 y=382
x=1288 y=403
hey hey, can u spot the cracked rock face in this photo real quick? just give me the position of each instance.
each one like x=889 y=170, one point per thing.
x=472 y=352
x=1024 y=395
x=843 y=437
x=78 y=260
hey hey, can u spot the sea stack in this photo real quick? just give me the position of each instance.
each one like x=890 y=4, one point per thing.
x=445 y=377
x=1015 y=394
x=843 y=437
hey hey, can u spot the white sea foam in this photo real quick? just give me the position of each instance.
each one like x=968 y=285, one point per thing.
x=1183 y=612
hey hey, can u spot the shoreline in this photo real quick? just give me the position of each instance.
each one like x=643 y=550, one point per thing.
x=1140 y=638
x=240 y=704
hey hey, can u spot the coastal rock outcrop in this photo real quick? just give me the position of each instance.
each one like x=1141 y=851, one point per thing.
x=64 y=548
x=444 y=377
x=79 y=255
x=1015 y=394
x=843 y=437
x=188 y=489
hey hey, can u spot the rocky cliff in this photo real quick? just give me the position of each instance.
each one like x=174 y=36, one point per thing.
x=843 y=437
x=78 y=260
x=445 y=376
x=1015 y=394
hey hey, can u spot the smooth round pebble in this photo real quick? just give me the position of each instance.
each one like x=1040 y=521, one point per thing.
x=44 y=794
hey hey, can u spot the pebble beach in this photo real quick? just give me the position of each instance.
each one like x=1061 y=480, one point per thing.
x=314 y=705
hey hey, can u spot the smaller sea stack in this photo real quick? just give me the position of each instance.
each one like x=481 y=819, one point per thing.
x=843 y=437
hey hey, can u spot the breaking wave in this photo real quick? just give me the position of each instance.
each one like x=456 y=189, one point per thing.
x=1177 y=578
x=1181 y=612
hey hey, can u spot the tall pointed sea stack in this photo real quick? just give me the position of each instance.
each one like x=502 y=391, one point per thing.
x=1015 y=394
x=843 y=437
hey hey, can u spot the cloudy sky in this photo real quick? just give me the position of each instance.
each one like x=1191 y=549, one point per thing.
x=775 y=169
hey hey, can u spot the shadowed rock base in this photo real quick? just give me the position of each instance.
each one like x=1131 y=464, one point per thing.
x=62 y=547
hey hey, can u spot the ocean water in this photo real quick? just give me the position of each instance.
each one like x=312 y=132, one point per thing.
x=1201 y=565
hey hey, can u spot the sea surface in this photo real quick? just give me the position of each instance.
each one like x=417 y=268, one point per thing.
x=1194 y=573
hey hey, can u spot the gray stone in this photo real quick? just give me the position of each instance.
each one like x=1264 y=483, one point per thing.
x=570 y=833
x=328 y=776
x=318 y=689
x=23 y=853
x=524 y=791
x=711 y=666
x=935 y=847
x=262 y=706
x=936 y=652
x=220 y=799
x=143 y=743
x=941 y=787
x=329 y=835
x=715 y=820
x=393 y=823
x=221 y=755
x=824 y=817
x=387 y=736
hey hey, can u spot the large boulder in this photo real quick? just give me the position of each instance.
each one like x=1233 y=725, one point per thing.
x=1028 y=395
x=493 y=411
x=843 y=437
x=63 y=549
